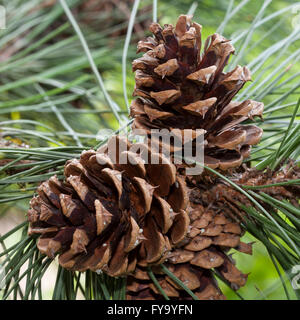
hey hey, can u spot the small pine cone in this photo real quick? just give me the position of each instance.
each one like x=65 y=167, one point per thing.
x=214 y=229
x=212 y=233
x=111 y=216
x=178 y=87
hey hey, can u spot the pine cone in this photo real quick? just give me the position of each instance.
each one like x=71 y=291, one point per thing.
x=110 y=216
x=178 y=87
x=214 y=229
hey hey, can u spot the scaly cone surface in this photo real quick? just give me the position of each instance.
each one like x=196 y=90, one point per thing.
x=109 y=216
x=118 y=214
x=215 y=228
x=179 y=87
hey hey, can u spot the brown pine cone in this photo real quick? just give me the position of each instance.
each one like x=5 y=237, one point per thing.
x=214 y=229
x=110 y=216
x=180 y=87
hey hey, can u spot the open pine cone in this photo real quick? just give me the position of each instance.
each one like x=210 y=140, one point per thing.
x=110 y=216
x=180 y=87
